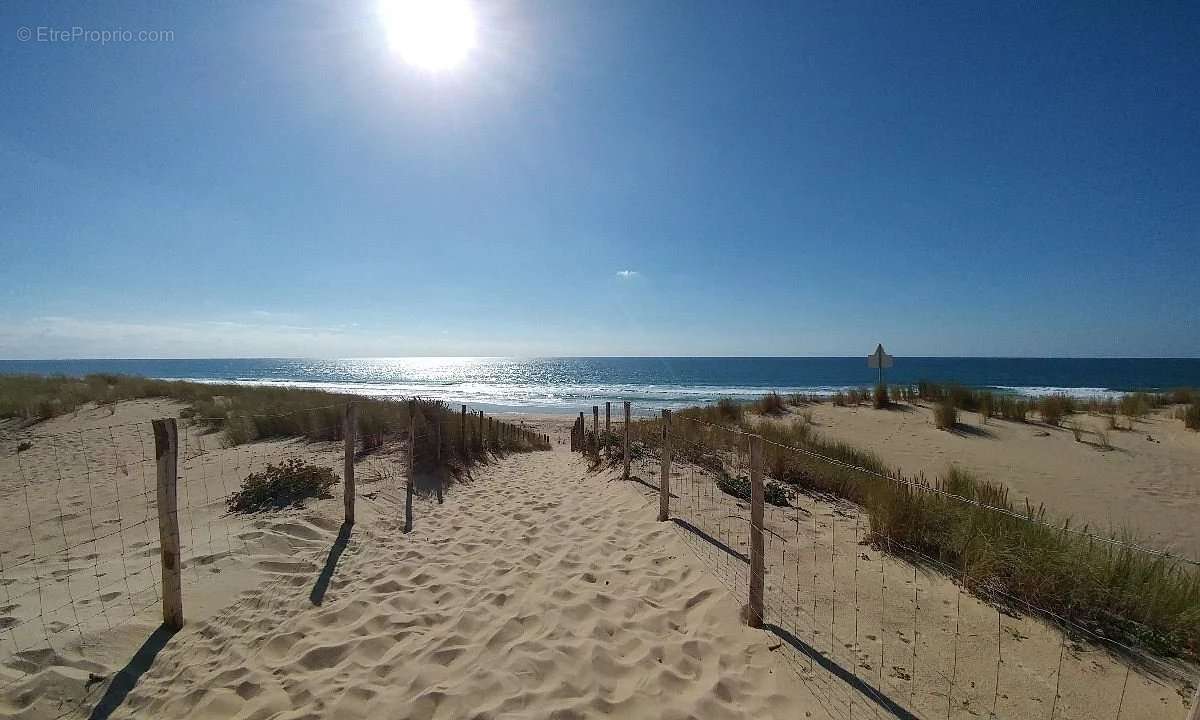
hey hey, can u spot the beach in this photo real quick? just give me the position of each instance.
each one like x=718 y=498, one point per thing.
x=536 y=590
x=542 y=587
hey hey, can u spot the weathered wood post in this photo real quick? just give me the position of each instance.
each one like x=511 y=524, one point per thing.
x=607 y=422
x=491 y=438
x=349 y=435
x=412 y=474
x=626 y=442
x=596 y=430
x=757 y=564
x=664 y=480
x=437 y=434
x=462 y=426
x=166 y=453
x=479 y=431
x=582 y=434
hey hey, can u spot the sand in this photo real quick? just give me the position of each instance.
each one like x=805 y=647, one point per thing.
x=539 y=589
x=1151 y=486
x=542 y=587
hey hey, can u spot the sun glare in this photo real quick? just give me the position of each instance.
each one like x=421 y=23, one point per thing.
x=430 y=34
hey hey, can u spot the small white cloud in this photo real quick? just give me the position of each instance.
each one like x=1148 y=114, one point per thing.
x=627 y=274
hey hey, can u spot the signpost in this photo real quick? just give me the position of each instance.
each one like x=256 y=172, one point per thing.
x=879 y=360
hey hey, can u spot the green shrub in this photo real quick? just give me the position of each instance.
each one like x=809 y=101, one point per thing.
x=739 y=487
x=945 y=415
x=283 y=485
x=879 y=398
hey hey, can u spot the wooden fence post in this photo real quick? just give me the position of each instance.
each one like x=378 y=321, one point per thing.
x=626 y=443
x=757 y=565
x=582 y=434
x=166 y=452
x=412 y=474
x=596 y=429
x=664 y=480
x=607 y=422
x=462 y=424
x=349 y=434
x=437 y=434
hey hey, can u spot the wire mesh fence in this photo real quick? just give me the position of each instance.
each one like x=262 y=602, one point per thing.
x=81 y=524
x=879 y=625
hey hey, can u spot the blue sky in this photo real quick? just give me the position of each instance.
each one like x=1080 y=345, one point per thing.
x=603 y=178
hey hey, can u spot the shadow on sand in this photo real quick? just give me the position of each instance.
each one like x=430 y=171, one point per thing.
x=890 y=706
x=317 y=596
x=128 y=676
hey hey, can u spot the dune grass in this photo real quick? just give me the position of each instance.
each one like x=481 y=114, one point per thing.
x=246 y=413
x=945 y=414
x=1018 y=557
x=1191 y=416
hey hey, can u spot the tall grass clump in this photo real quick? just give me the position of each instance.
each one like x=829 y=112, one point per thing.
x=986 y=406
x=771 y=404
x=730 y=410
x=945 y=414
x=1054 y=408
x=879 y=398
x=1191 y=416
x=1111 y=589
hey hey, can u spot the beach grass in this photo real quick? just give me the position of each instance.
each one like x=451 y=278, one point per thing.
x=1020 y=557
x=945 y=414
x=246 y=413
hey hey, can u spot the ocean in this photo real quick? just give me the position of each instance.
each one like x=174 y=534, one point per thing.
x=569 y=384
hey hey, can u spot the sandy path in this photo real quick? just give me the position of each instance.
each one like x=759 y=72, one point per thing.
x=535 y=591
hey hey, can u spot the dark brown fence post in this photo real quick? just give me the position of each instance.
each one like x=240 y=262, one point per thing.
x=757 y=565
x=412 y=472
x=664 y=480
x=349 y=434
x=607 y=422
x=462 y=424
x=626 y=442
x=166 y=452
x=596 y=429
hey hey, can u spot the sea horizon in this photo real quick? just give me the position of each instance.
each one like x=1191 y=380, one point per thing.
x=566 y=383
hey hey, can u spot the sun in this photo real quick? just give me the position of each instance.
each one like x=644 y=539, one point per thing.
x=430 y=34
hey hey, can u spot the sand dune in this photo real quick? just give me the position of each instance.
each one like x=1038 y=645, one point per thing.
x=1150 y=485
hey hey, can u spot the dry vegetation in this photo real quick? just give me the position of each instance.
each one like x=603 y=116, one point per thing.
x=1010 y=554
x=249 y=413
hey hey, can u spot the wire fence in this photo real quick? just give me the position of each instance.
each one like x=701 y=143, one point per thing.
x=876 y=625
x=81 y=527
